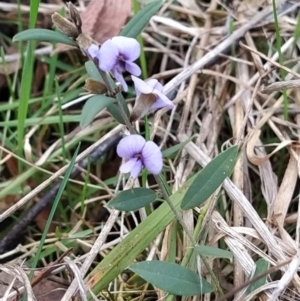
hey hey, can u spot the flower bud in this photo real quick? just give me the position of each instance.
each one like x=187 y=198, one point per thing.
x=84 y=42
x=74 y=16
x=94 y=86
x=65 y=26
x=142 y=105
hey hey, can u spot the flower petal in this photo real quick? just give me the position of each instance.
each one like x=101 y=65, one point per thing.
x=128 y=166
x=133 y=68
x=128 y=48
x=108 y=56
x=140 y=86
x=159 y=87
x=151 y=82
x=134 y=166
x=120 y=79
x=130 y=146
x=93 y=50
x=136 y=169
x=152 y=157
x=162 y=101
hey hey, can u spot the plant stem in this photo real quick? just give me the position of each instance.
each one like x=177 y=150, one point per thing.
x=112 y=91
x=191 y=237
x=176 y=213
x=121 y=110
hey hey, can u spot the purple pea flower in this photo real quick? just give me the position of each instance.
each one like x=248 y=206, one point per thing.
x=139 y=153
x=149 y=97
x=118 y=55
x=93 y=50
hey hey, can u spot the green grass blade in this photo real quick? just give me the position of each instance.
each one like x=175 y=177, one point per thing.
x=136 y=25
x=53 y=209
x=46 y=35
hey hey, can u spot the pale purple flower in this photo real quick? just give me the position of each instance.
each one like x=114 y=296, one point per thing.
x=118 y=55
x=139 y=153
x=152 y=86
x=93 y=50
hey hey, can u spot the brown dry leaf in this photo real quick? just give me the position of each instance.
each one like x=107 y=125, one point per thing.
x=251 y=145
x=103 y=19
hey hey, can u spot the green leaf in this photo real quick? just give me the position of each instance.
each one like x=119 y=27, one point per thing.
x=174 y=149
x=261 y=266
x=210 y=178
x=139 y=21
x=112 y=108
x=92 y=107
x=172 y=278
x=213 y=252
x=133 y=199
x=46 y=35
x=92 y=71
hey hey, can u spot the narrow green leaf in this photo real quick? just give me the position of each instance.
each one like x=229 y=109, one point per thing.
x=46 y=35
x=92 y=71
x=261 y=266
x=213 y=252
x=112 y=108
x=210 y=178
x=139 y=21
x=172 y=278
x=133 y=199
x=92 y=107
x=174 y=149
x=26 y=83
x=53 y=209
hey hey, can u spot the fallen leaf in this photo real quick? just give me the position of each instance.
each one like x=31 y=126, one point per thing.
x=103 y=19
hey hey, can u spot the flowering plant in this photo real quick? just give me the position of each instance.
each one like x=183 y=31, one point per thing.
x=109 y=67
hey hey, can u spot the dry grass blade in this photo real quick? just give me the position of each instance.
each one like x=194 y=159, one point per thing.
x=279 y=86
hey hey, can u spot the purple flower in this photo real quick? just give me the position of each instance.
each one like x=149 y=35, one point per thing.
x=117 y=55
x=139 y=153
x=149 y=96
x=93 y=50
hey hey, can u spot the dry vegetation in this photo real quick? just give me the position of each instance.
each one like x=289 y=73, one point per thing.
x=220 y=63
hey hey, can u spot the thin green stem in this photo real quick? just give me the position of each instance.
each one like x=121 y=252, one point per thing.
x=191 y=237
x=112 y=91
x=177 y=215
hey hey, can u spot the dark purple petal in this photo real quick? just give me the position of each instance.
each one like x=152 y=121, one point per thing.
x=128 y=48
x=130 y=146
x=119 y=77
x=133 y=68
x=162 y=101
x=152 y=158
x=108 y=56
x=140 y=86
x=93 y=50
x=134 y=166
